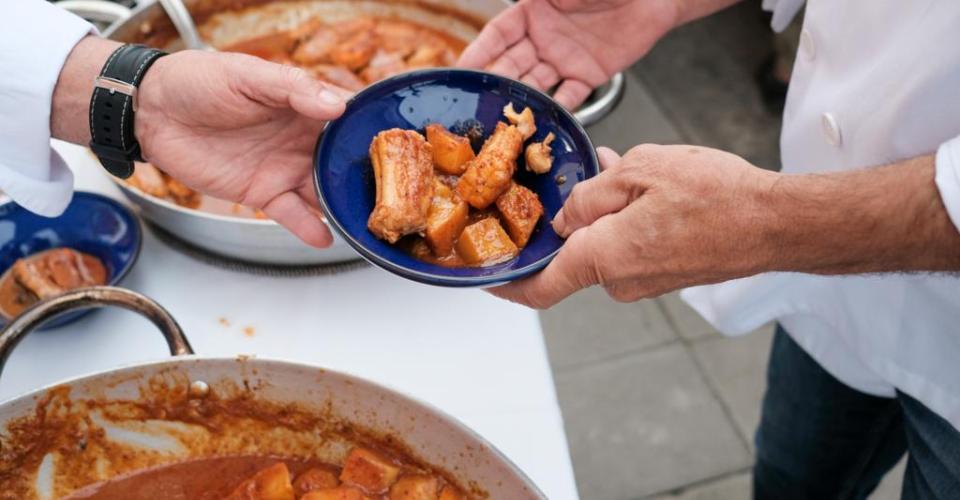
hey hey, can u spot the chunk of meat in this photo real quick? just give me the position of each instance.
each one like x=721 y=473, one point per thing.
x=272 y=483
x=369 y=470
x=338 y=493
x=383 y=65
x=355 y=51
x=485 y=243
x=520 y=209
x=317 y=48
x=539 y=155
x=451 y=152
x=415 y=487
x=337 y=75
x=450 y=493
x=491 y=172
x=315 y=479
x=446 y=220
x=55 y=271
x=403 y=169
x=523 y=120
x=148 y=179
x=397 y=36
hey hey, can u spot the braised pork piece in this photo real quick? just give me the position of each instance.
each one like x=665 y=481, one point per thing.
x=350 y=54
x=45 y=275
x=476 y=214
x=365 y=475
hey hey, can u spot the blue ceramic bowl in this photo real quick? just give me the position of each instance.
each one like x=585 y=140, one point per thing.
x=93 y=224
x=456 y=98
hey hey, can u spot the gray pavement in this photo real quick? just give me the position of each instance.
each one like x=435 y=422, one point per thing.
x=656 y=403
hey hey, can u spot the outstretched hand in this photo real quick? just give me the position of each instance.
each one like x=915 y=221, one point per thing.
x=239 y=128
x=578 y=44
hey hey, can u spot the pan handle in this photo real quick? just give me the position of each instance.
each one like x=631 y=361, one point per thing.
x=96 y=10
x=610 y=95
x=99 y=296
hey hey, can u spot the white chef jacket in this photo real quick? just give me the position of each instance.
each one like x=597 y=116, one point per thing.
x=35 y=39
x=875 y=81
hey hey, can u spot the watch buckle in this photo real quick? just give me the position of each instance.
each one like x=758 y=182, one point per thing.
x=113 y=86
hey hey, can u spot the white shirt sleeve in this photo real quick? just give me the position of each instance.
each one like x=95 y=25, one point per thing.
x=36 y=38
x=948 y=178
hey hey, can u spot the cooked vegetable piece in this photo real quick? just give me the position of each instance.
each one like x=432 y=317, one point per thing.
x=491 y=172
x=485 y=243
x=450 y=493
x=520 y=209
x=315 y=479
x=415 y=487
x=338 y=493
x=369 y=470
x=539 y=155
x=523 y=120
x=403 y=168
x=448 y=216
x=451 y=152
x=272 y=483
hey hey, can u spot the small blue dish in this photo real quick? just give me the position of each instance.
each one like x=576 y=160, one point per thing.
x=92 y=224
x=457 y=99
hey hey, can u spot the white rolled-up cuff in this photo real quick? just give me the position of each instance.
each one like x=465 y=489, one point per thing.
x=948 y=178
x=783 y=12
x=37 y=38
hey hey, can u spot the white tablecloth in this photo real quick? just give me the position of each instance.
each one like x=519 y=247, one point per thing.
x=490 y=370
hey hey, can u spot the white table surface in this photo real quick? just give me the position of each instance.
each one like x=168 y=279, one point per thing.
x=489 y=370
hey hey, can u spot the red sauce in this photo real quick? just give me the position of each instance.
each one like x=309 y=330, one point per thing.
x=45 y=275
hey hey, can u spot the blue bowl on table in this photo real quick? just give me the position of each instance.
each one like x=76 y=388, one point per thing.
x=92 y=223
x=457 y=99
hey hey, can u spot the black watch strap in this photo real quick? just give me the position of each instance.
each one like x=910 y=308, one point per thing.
x=113 y=105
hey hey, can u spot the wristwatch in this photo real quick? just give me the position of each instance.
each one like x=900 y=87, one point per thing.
x=114 y=105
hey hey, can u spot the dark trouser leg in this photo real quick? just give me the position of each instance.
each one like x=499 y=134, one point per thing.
x=818 y=438
x=933 y=470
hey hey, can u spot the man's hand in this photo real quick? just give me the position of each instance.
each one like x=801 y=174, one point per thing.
x=578 y=44
x=658 y=219
x=229 y=125
x=239 y=128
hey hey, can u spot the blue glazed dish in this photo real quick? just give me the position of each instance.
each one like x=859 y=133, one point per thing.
x=458 y=99
x=92 y=223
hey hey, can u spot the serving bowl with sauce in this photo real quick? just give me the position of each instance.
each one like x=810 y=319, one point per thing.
x=95 y=236
x=456 y=99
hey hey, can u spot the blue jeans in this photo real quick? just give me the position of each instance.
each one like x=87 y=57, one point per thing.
x=820 y=439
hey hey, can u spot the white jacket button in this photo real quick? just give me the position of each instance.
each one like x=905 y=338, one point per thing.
x=831 y=129
x=807 y=48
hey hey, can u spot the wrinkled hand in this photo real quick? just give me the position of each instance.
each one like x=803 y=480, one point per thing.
x=658 y=219
x=239 y=128
x=578 y=44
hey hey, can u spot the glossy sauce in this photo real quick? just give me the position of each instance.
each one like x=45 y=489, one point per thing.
x=47 y=274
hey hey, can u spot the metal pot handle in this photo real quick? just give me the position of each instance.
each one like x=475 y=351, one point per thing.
x=593 y=112
x=99 y=296
x=96 y=10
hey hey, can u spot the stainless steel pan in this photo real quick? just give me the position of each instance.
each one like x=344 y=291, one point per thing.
x=60 y=438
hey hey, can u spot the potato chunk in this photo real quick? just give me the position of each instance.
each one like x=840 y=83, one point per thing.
x=403 y=170
x=315 y=479
x=539 y=155
x=520 y=209
x=448 y=216
x=450 y=493
x=338 y=493
x=523 y=120
x=272 y=483
x=451 y=152
x=415 y=487
x=369 y=470
x=485 y=243
x=491 y=172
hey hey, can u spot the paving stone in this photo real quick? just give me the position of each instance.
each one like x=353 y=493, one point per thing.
x=736 y=487
x=589 y=327
x=645 y=424
x=637 y=119
x=688 y=322
x=737 y=367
